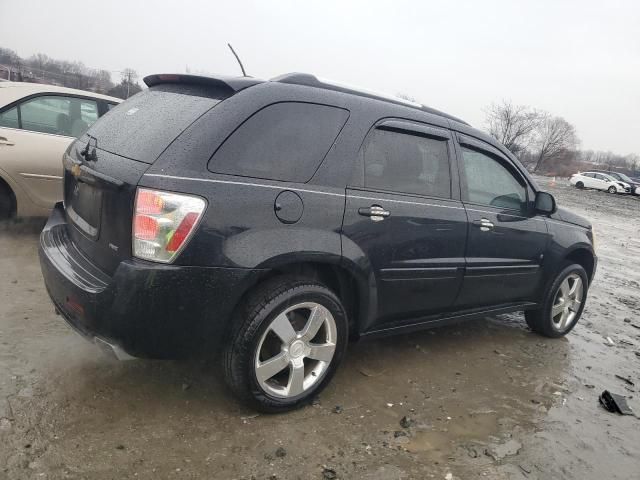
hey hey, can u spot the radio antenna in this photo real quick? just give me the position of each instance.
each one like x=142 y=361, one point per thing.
x=244 y=74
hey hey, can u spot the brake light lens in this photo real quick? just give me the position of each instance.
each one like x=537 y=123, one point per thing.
x=145 y=227
x=163 y=222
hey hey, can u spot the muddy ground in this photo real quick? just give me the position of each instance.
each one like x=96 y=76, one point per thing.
x=487 y=399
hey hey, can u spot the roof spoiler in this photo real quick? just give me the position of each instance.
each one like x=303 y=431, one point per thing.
x=231 y=84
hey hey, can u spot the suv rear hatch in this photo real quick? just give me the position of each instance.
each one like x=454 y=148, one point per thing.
x=103 y=168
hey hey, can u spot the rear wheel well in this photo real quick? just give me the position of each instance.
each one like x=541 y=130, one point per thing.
x=5 y=189
x=584 y=258
x=336 y=278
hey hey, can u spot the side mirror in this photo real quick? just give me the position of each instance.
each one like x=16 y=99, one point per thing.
x=545 y=203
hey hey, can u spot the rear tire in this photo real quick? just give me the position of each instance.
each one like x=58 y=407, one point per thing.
x=580 y=185
x=288 y=338
x=612 y=189
x=562 y=303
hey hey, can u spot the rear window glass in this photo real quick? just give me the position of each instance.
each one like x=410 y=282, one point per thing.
x=144 y=125
x=285 y=141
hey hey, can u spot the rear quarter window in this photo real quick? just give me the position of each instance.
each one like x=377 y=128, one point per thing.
x=144 y=125
x=284 y=141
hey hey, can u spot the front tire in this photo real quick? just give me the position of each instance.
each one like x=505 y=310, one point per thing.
x=579 y=185
x=612 y=189
x=562 y=304
x=287 y=340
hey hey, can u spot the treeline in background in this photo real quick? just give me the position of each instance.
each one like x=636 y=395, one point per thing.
x=548 y=144
x=40 y=68
x=544 y=143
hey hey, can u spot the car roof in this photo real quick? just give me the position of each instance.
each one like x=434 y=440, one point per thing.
x=313 y=81
x=230 y=85
x=235 y=84
x=610 y=173
x=598 y=171
x=11 y=91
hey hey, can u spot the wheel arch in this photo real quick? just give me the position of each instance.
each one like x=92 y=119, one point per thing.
x=351 y=286
x=585 y=258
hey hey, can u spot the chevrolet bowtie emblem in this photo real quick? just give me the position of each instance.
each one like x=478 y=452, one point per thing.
x=75 y=170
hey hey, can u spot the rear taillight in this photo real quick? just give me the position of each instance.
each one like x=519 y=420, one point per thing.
x=163 y=223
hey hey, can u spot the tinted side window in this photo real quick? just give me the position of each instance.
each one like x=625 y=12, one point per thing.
x=9 y=118
x=491 y=183
x=284 y=141
x=407 y=163
x=591 y=175
x=67 y=116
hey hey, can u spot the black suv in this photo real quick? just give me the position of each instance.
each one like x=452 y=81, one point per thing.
x=275 y=220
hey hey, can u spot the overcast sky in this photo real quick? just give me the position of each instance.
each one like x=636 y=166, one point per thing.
x=576 y=59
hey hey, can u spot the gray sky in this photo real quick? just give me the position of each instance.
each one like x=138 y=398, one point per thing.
x=576 y=59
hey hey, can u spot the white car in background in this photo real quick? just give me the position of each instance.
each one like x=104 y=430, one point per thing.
x=599 y=181
x=37 y=124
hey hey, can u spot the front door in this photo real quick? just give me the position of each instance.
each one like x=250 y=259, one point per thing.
x=506 y=242
x=402 y=217
x=603 y=183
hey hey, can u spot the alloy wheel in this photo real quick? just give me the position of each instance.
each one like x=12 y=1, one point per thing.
x=295 y=350
x=567 y=302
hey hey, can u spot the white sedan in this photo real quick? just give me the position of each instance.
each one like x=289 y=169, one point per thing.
x=599 y=181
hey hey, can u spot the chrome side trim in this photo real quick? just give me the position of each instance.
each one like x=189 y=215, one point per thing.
x=567 y=224
x=41 y=176
x=382 y=200
x=248 y=184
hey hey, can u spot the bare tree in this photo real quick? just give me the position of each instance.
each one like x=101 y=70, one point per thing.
x=129 y=79
x=128 y=85
x=513 y=125
x=554 y=137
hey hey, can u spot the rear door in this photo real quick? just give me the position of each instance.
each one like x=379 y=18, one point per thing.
x=507 y=241
x=403 y=215
x=589 y=180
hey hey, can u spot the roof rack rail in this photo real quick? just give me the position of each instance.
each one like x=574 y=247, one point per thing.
x=309 y=80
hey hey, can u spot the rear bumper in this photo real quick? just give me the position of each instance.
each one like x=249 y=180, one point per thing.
x=144 y=309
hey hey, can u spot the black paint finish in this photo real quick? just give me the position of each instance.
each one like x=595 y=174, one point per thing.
x=427 y=263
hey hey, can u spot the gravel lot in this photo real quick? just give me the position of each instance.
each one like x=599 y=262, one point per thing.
x=486 y=399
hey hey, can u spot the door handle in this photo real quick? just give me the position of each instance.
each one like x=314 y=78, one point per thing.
x=375 y=212
x=5 y=141
x=484 y=224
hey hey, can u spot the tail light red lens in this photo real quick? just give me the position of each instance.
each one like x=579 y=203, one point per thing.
x=149 y=202
x=145 y=227
x=163 y=222
x=182 y=232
